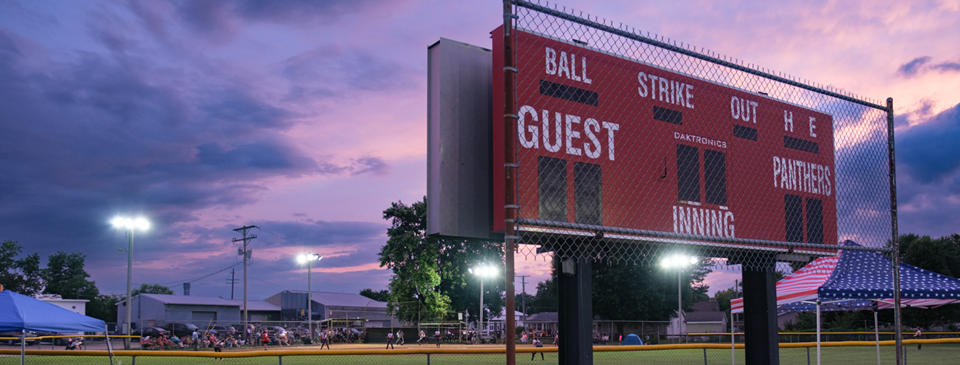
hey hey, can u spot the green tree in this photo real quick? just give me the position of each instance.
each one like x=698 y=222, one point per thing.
x=380 y=296
x=65 y=275
x=104 y=307
x=151 y=289
x=413 y=257
x=21 y=275
x=430 y=275
x=627 y=291
x=546 y=298
x=723 y=298
x=940 y=255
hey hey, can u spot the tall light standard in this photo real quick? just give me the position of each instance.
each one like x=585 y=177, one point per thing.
x=130 y=225
x=482 y=272
x=309 y=259
x=679 y=262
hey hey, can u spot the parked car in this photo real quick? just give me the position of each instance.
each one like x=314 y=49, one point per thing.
x=180 y=329
x=225 y=330
x=274 y=329
x=153 y=332
x=17 y=341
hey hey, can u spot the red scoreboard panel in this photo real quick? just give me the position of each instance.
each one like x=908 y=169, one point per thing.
x=606 y=140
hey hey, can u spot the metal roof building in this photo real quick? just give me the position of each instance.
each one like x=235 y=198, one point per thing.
x=331 y=306
x=159 y=309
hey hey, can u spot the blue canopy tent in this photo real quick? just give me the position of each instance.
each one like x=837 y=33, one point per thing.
x=632 y=339
x=859 y=280
x=21 y=313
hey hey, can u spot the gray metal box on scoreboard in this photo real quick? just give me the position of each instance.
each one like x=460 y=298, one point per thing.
x=459 y=138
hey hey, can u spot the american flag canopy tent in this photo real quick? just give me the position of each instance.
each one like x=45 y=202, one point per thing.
x=859 y=280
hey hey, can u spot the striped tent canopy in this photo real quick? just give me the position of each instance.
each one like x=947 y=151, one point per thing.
x=859 y=280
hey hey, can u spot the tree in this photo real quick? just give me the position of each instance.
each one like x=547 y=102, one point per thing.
x=380 y=296
x=430 y=275
x=65 y=275
x=723 y=298
x=628 y=291
x=942 y=256
x=151 y=289
x=104 y=307
x=519 y=301
x=546 y=298
x=19 y=275
x=413 y=257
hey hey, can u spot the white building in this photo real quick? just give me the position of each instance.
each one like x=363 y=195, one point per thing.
x=74 y=305
x=499 y=323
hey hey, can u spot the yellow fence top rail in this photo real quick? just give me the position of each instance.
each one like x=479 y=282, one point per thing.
x=449 y=351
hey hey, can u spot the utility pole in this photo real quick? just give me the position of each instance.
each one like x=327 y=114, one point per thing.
x=247 y=254
x=232 y=281
x=523 y=299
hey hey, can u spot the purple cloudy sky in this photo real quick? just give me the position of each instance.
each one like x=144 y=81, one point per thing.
x=307 y=118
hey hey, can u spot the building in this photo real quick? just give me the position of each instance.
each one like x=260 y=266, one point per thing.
x=338 y=309
x=706 y=317
x=149 y=310
x=75 y=305
x=499 y=323
x=546 y=321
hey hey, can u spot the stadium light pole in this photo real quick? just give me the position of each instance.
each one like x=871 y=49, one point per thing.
x=130 y=225
x=309 y=259
x=482 y=272
x=679 y=262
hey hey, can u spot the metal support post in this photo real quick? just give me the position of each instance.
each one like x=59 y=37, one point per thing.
x=760 y=313
x=510 y=163
x=129 y=302
x=576 y=314
x=310 y=300
x=895 y=236
x=876 y=332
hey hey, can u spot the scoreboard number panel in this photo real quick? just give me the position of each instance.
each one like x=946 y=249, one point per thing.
x=604 y=140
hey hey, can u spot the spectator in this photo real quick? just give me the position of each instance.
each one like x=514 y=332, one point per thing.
x=176 y=341
x=71 y=344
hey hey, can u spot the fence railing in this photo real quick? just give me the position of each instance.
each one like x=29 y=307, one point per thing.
x=838 y=352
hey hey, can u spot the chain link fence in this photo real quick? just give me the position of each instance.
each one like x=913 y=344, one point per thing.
x=631 y=146
x=943 y=351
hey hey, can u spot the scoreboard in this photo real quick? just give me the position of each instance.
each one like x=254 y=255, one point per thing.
x=611 y=141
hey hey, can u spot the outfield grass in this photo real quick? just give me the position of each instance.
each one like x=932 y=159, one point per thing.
x=931 y=354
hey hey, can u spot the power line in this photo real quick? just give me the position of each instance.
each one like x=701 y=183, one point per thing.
x=199 y=277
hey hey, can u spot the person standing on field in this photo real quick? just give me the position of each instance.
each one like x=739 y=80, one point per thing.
x=917 y=336
x=390 y=340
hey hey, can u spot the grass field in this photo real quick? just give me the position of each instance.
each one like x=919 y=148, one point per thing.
x=931 y=354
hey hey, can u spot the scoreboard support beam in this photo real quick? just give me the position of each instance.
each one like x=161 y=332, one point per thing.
x=761 y=338
x=575 y=312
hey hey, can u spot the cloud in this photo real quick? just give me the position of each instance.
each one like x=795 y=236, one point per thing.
x=928 y=174
x=911 y=68
x=947 y=66
x=929 y=151
x=919 y=64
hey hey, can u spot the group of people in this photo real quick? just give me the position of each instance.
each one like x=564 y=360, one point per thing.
x=74 y=344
